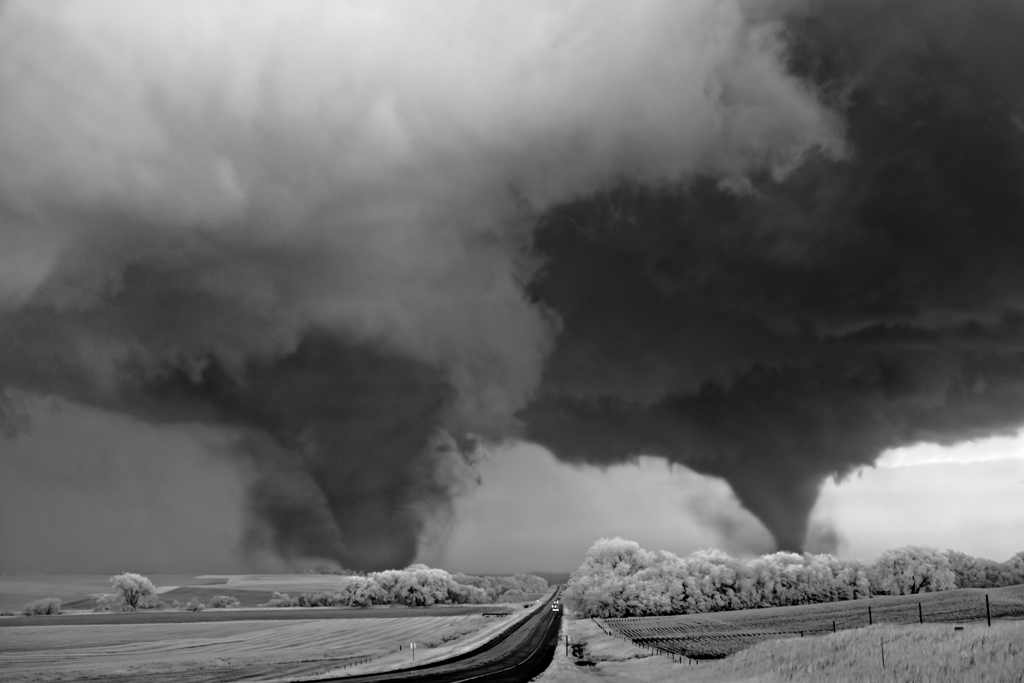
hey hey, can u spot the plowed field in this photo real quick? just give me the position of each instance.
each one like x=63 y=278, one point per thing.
x=209 y=652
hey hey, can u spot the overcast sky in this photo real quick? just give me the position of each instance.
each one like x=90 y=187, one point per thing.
x=360 y=283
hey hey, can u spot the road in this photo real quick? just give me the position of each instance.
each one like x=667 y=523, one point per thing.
x=515 y=657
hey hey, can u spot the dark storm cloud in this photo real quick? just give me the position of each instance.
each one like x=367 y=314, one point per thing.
x=794 y=331
x=308 y=224
x=342 y=437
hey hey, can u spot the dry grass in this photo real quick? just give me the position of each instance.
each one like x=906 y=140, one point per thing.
x=183 y=646
x=932 y=653
x=708 y=636
x=77 y=591
x=245 y=597
x=214 y=651
x=282 y=583
x=614 y=660
x=467 y=641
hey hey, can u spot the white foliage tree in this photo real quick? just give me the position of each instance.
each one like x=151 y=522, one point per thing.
x=913 y=569
x=133 y=591
x=513 y=595
x=618 y=578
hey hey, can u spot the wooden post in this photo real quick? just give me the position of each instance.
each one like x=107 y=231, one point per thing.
x=882 y=643
x=988 y=612
x=869 y=616
x=920 y=615
x=833 y=626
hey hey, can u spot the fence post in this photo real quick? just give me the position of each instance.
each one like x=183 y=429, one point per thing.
x=988 y=612
x=869 y=616
x=920 y=615
x=833 y=626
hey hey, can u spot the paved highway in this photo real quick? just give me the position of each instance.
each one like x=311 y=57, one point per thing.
x=518 y=656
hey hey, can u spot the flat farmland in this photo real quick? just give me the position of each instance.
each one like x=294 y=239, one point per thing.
x=16 y=591
x=284 y=583
x=932 y=653
x=719 y=634
x=224 y=651
x=252 y=590
x=79 y=592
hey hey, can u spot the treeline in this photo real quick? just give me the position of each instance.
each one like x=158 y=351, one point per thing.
x=618 y=578
x=417 y=586
x=978 y=572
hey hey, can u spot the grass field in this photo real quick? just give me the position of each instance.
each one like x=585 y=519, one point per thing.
x=16 y=591
x=218 y=644
x=78 y=592
x=251 y=590
x=209 y=652
x=932 y=653
x=284 y=583
x=718 y=634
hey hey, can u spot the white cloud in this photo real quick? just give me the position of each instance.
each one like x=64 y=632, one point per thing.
x=975 y=507
x=977 y=450
x=533 y=512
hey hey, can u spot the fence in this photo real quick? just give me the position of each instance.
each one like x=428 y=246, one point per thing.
x=679 y=657
x=693 y=643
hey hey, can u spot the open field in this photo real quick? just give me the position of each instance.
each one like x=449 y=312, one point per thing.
x=933 y=652
x=181 y=616
x=228 y=644
x=78 y=592
x=283 y=583
x=224 y=651
x=251 y=590
x=718 y=634
x=16 y=591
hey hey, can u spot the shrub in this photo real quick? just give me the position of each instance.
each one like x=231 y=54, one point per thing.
x=281 y=600
x=111 y=603
x=44 y=606
x=224 y=601
x=320 y=599
x=194 y=605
